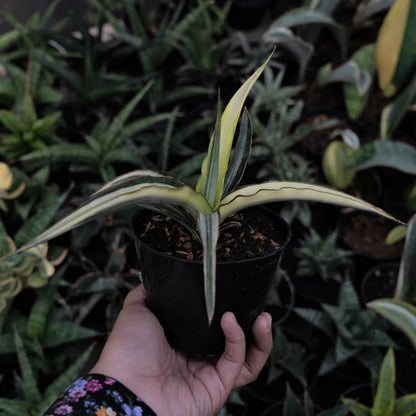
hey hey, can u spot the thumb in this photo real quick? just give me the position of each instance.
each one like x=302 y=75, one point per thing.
x=232 y=360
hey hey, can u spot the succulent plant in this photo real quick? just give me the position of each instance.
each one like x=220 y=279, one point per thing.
x=203 y=209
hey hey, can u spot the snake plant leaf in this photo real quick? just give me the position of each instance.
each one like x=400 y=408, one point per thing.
x=64 y=380
x=400 y=313
x=28 y=379
x=229 y=121
x=208 y=226
x=298 y=47
x=341 y=410
x=239 y=160
x=349 y=72
x=15 y=407
x=306 y=16
x=130 y=191
x=210 y=184
x=395 y=111
x=405 y=406
x=356 y=100
x=369 y=8
x=292 y=405
x=406 y=284
x=385 y=396
x=357 y=409
x=8 y=38
x=396 y=46
x=396 y=155
x=120 y=119
x=276 y=191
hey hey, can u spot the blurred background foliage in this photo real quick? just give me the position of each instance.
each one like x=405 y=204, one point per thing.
x=93 y=89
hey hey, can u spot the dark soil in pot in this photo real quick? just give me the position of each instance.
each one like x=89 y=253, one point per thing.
x=365 y=234
x=248 y=252
x=380 y=282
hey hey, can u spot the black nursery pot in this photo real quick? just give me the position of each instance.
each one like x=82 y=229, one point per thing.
x=175 y=292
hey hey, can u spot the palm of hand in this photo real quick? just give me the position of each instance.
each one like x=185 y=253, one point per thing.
x=138 y=355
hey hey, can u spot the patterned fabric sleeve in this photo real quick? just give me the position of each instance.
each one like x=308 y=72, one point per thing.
x=99 y=395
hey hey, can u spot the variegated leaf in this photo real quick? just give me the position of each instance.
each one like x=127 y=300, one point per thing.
x=131 y=190
x=251 y=195
x=209 y=230
x=229 y=121
x=242 y=149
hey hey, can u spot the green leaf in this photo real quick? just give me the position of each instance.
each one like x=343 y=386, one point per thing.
x=164 y=152
x=369 y=8
x=12 y=122
x=15 y=407
x=405 y=406
x=396 y=234
x=395 y=155
x=333 y=164
x=299 y=48
x=357 y=409
x=406 y=282
x=239 y=160
x=355 y=102
x=292 y=405
x=8 y=38
x=36 y=323
x=400 y=313
x=58 y=333
x=229 y=121
x=65 y=379
x=38 y=222
x=29 y=384
x=45 y=127
x=393 y=114
x=316 y=318
x=144 y=123
x=347 y=297
x=341 y=410
x=210 y=184
x=349 y=72
x=208 y=226
x=129 y=190
x=121 y=118
x=251 y=195
x=306 y=16
x=69 y=152
x=385 y=396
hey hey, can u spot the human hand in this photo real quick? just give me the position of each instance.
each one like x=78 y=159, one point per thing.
x=138 y=355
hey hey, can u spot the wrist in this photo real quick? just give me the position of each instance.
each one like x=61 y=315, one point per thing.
x=145 y=389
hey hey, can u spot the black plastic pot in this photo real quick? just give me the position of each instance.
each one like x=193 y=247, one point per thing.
x=175 y=292
x=380 y=282
x=368 y=244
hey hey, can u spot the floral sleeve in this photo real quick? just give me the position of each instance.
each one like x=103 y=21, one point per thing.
x=98 y=395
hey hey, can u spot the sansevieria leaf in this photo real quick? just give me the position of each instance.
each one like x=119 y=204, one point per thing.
x=396 y=46
x=401 y=314
x=251 y=195
x=229 y=121
x=405 y=406
x=385 y=396
x=239 y=160
x=132 y=190
x=209 y=230
x=406 y=282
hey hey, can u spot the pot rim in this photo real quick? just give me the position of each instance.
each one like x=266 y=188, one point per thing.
x=283 y=245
